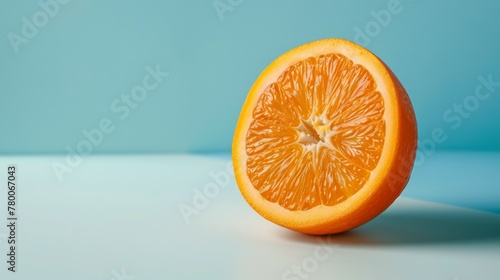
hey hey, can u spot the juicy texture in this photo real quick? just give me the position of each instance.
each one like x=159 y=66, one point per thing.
x=316 y=133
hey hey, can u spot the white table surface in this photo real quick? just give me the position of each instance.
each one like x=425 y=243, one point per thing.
x=117 y=217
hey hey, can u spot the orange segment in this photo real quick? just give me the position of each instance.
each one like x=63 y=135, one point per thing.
x=319 y=136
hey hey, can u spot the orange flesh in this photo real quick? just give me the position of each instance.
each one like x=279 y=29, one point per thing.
x=316 y=134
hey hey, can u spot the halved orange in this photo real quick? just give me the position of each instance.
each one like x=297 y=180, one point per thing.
x=326 y=138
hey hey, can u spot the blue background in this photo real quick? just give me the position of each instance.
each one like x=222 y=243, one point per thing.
x=90 y=53
x=65 y=78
